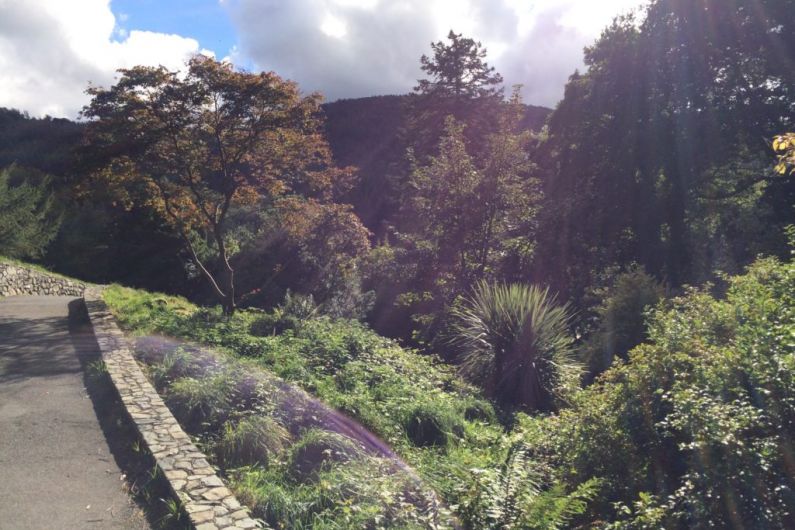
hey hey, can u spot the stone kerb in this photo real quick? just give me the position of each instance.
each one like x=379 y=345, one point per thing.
x=16 y=280
x=204 y=497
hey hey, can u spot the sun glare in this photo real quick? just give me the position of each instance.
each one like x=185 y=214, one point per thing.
x=334 y=27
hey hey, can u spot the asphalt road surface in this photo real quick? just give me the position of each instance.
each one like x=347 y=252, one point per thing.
x=57 y=467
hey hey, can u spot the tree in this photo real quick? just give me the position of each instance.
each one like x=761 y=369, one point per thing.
x=329 y=241
x=460 y=84
x=466 y=216
x=621 y=318
x=197 y=145
x=28 y=218
x=458 y=71
x=655 y=153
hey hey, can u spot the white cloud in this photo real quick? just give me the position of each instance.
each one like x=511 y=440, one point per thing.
x=50 y=50
x=351 y=48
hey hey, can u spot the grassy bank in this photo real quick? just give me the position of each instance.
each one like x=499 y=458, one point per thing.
x=434 y=422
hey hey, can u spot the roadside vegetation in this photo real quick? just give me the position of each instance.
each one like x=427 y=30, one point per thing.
x=703 y=412
x=305 y=469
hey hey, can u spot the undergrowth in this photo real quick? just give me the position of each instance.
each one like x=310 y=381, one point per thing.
x=694 y=430
x=438 y=427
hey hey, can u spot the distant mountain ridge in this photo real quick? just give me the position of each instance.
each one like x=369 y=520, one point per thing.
x=359 y=129
x=362 y=132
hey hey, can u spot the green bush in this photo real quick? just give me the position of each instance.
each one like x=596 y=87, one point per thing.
x=475 y=409
x=433 y=424
x=695 y=430
x=621 y=318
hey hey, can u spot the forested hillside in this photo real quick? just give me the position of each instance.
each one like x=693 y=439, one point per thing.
x=610 y=280
x=370 y=134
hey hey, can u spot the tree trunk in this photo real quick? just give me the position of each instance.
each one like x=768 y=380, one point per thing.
x=228 y=300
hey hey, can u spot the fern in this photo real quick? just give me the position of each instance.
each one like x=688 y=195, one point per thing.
x=512 y=497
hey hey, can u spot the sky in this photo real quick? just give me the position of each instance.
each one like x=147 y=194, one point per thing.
x=51 y=50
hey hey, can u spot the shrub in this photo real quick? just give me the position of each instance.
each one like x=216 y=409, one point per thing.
x=478 y=410
x=695 y=430
x=621 y=318
x=515 y=342
x=290 y=314
x=175 y=363
x=317 y=450
x=255 y=440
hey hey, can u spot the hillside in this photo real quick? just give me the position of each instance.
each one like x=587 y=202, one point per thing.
x=43 y=143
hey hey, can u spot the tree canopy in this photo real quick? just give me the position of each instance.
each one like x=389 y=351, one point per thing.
x=458 y=70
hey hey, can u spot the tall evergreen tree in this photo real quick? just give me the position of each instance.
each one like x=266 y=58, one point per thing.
x=461 y=84
x=458 y=70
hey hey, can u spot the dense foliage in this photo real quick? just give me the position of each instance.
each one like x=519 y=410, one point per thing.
x=694 y=430
x=658 y=153
x=437 y=423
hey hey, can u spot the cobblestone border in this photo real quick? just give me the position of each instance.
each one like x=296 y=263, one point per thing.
x=204 y=497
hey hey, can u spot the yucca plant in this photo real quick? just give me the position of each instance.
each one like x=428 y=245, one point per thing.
x=514 y=341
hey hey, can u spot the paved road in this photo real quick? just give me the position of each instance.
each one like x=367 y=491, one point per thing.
x=57 y=470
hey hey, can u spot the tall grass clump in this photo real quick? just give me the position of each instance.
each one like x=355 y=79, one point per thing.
x=200 y=404
x=255 y=440
x=317 y=450
x=433 y=424
x=514 y=341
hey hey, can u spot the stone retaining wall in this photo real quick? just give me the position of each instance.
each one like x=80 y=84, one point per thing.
x=204 y=497
x=16 y=280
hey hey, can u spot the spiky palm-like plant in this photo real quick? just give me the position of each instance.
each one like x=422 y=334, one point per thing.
x=515 y=342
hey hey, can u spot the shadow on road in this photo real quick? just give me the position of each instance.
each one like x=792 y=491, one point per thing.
x=19 y=363
x=148 y=488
